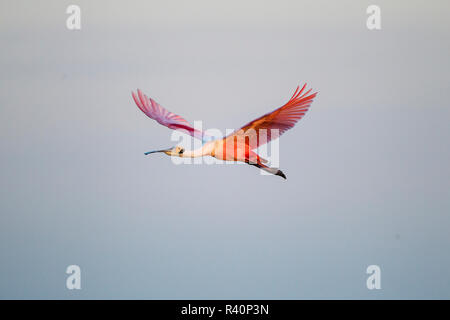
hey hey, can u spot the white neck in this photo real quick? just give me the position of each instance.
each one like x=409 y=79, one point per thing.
x=200 y=152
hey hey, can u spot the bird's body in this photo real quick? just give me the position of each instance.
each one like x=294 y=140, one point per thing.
x=239 y=145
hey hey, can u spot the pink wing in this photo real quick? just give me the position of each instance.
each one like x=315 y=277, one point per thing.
x=153 y=110
x=281 y=119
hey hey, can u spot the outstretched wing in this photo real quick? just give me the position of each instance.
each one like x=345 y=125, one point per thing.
x=171 y=120
x=261 y=130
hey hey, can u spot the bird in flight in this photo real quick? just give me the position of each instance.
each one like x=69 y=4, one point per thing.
x=240 y=144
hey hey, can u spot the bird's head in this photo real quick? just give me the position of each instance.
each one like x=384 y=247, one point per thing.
x=175 y=151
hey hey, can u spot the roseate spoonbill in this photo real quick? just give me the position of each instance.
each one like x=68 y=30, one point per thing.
x=239 y=145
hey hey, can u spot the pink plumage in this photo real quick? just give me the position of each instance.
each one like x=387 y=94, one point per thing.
x=171 y=120
x=239 y=145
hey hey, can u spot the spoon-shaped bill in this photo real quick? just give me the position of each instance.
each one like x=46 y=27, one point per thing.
x=166 y=151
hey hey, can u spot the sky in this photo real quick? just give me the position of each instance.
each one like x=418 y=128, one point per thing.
x=368 y=180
